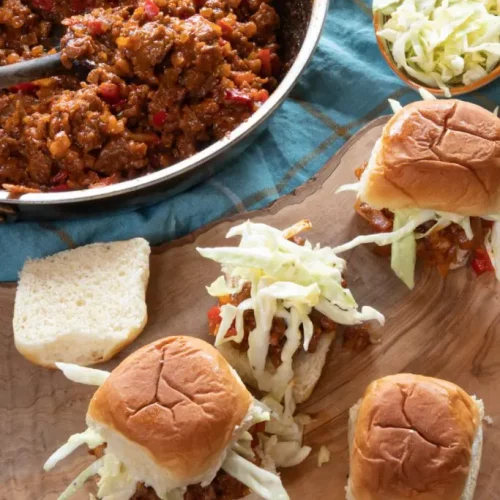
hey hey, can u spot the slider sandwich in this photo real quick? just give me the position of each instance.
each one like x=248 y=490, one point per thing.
x=431 y=188
x=172 y=422
x=279 y=301
x=414 y=437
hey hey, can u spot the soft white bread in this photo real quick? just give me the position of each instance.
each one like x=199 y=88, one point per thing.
x=440 y=155
x=82 y=306
x=307 y=366
x=169 y=412
x=414 y=437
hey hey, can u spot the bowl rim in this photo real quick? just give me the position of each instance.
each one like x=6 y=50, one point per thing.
x=317 y=19
x=416 y=85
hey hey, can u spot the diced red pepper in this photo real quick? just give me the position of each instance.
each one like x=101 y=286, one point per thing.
x=262 y=95
x=110 y=92
x=239 y=97
x=43 y=4
x=60 y=178
x=151 y=9
x=159 y=118
x=24 y=88
x=96 y=27
x=214 y=319
x=265 y=58
x=60 y=188
x=481 y=262
x=226 y=28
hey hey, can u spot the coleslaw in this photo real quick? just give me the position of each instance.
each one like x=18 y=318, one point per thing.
x=442 y=42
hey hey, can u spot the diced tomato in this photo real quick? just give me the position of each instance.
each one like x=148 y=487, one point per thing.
x=239 y=97
x=151 y=9
x=262 y=95
x=110 y=92
x=214 y=319
x=481 y=262
x=159 y=118
x=96 y=27
x=59 y=188
x=24 y=88
x=231 y=332
x=226 y=28
x=43 y=4
x=265 y=58
x=78 y=6
x=60 y=178
x=260 y=427
x=488 y=224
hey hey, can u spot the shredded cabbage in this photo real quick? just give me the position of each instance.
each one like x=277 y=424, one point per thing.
x=404 y=252
x=324 y=456
x=82 y=374
x=115 y=482
x=395 y=105
x=89 y=437
x=287 y=281
x=264 y=483
x=284 y=444
x=492 y=244
x=80 y=480
x=442 y=42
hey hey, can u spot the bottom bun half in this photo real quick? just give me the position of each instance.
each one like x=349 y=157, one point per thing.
x=307 y=366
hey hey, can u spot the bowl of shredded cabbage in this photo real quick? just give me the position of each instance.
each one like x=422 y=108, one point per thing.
x=449 y=47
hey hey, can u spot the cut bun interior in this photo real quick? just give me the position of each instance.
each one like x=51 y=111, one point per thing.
x=441 y=155
x=307 y=366
x=169 y=411
x=82 y=306
x=414 y=437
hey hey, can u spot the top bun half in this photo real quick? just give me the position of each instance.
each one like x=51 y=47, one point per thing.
x=177 y=403
x=437 y=155
x=413 y=438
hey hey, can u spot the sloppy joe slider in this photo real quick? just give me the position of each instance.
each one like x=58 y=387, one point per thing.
x=171 y=422
x=431 y=188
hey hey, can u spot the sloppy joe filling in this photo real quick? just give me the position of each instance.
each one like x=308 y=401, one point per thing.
x=165 y=78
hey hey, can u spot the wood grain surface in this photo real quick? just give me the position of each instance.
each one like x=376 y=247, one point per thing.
x=449 y=329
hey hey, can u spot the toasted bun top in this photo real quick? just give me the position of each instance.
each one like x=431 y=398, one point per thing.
x=413 y=439
x=440 y=155
x=179 y=400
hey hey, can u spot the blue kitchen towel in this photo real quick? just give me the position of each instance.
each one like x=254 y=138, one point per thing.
x=344 y=87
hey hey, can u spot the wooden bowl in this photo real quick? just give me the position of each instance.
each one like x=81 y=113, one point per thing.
x=455 y=90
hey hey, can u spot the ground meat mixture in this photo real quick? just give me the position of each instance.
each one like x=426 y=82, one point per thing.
x=223 y=487
x=167 y=78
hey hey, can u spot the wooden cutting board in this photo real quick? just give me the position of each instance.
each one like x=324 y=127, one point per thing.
x=448 y=329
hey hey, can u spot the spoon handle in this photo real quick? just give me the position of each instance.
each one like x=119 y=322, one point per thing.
x=28 y=71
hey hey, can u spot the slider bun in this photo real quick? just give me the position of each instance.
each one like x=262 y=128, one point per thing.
x=307 y=367
x=414 y=437
x=169 y=412
x=439 y=155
